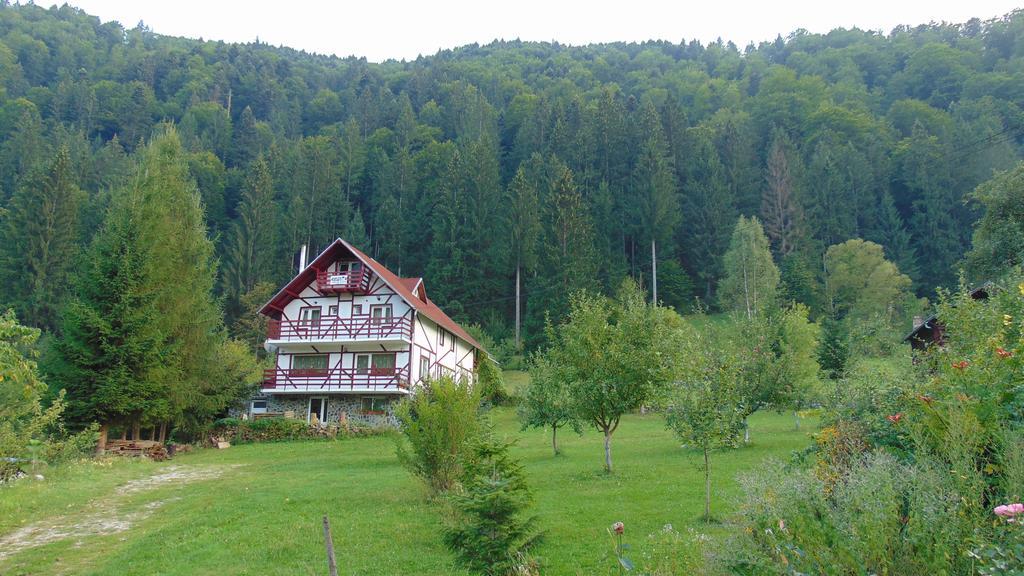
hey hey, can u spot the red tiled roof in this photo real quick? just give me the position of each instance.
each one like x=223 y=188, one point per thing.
x=403 y=286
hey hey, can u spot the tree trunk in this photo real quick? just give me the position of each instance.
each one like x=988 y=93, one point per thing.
x=746 y=431
x=707 y=486
x=608 y=451
x=136 y=431
x=796 y=420
x=163 y=432
x=654 y=274
x=101 y=445
x=554 y=438
x=517 y=306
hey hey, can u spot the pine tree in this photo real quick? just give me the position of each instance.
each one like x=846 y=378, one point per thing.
x=708 y=211
x=656 y=206
x=893 y=235
x=780 y=209
x=144 y=340
x=22 y=149
x=251 y=248
x=110 y=341
x=525 y=226
x=245 y=143
x=40 y=239
x=446 y=266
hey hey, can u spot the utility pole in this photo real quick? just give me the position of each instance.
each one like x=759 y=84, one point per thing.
x=654 y=274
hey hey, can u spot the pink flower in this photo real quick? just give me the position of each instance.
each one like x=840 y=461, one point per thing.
x=961 y=364
x=1003 y=353
x=1009 y=510
x=618 y=527
x=894 y=418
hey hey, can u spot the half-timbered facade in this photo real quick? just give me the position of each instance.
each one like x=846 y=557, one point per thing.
x=350 y=337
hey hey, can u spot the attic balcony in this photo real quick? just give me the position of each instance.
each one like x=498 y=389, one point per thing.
x=335 y=329
x=356 y=281
x=339 y=380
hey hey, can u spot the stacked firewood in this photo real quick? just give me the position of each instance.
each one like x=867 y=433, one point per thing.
x=137 y=448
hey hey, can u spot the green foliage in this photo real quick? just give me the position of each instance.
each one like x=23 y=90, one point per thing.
x=490 y=381
x=39 y=240
x=777 y=360
x=601 y=153
x=143 y=341
x=614 y=356
x=439 y=424
x=998 y=241
x=750 y=277
x=910 y=463
x=546 y=402
x=862 y=284
x=29 y=432
x=705 y=409
x=238 y=431
x=834 y=349
x=885 y=517
x=489 y=532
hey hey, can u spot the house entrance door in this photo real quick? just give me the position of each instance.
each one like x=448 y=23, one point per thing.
x=318 y=409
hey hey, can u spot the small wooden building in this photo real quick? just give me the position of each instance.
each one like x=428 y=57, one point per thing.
x=931 y=331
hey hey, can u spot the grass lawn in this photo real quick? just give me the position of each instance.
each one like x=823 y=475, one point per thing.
x=257 y=509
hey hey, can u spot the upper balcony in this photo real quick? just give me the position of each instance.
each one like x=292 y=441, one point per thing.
x=357 y=281
x=337 y=329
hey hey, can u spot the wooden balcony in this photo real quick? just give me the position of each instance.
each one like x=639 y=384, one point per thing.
x=312 y=380
x=334 y=282
x=340 y=329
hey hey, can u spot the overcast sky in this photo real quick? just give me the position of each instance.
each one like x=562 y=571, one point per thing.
x=383 y=29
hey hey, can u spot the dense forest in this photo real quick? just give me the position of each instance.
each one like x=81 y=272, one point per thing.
x=479 y=167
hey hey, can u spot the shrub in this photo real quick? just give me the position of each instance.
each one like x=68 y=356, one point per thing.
x=439 y=424
x=29 y=432
x=489 y=532
x=882 y=517
x=491 y=383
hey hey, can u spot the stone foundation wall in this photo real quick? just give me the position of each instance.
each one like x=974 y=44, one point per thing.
x=336 y=405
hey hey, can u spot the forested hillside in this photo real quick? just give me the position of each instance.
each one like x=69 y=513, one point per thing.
x=571 y=166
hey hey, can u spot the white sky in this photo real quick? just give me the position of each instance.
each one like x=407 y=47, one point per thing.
x=384 y=29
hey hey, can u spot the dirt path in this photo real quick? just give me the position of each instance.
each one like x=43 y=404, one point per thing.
x=107 y=515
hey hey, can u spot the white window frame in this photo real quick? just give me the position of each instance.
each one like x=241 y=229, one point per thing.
x=253 y=410
x=322 y=416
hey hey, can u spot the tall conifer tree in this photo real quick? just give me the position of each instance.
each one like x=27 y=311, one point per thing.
x=40 y=239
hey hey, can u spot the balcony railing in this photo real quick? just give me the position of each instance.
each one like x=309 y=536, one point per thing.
x=357 y=281
x=336 y=379
x=337 y=328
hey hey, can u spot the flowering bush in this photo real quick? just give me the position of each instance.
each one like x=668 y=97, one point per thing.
x=918 y=473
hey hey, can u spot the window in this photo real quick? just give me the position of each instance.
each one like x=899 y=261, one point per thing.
x=380 y=313
x=362 y=363
x=383 y=364
x=424 y=367
x=310 y=364
x=375 y=364
x=452 y=339
x=357 y=309
x=441 y=337
x=258 y=407
x=374 y=404
x=332 y=311
x=309 y=316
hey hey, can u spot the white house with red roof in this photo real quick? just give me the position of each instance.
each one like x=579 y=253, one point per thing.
x=350 y=337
